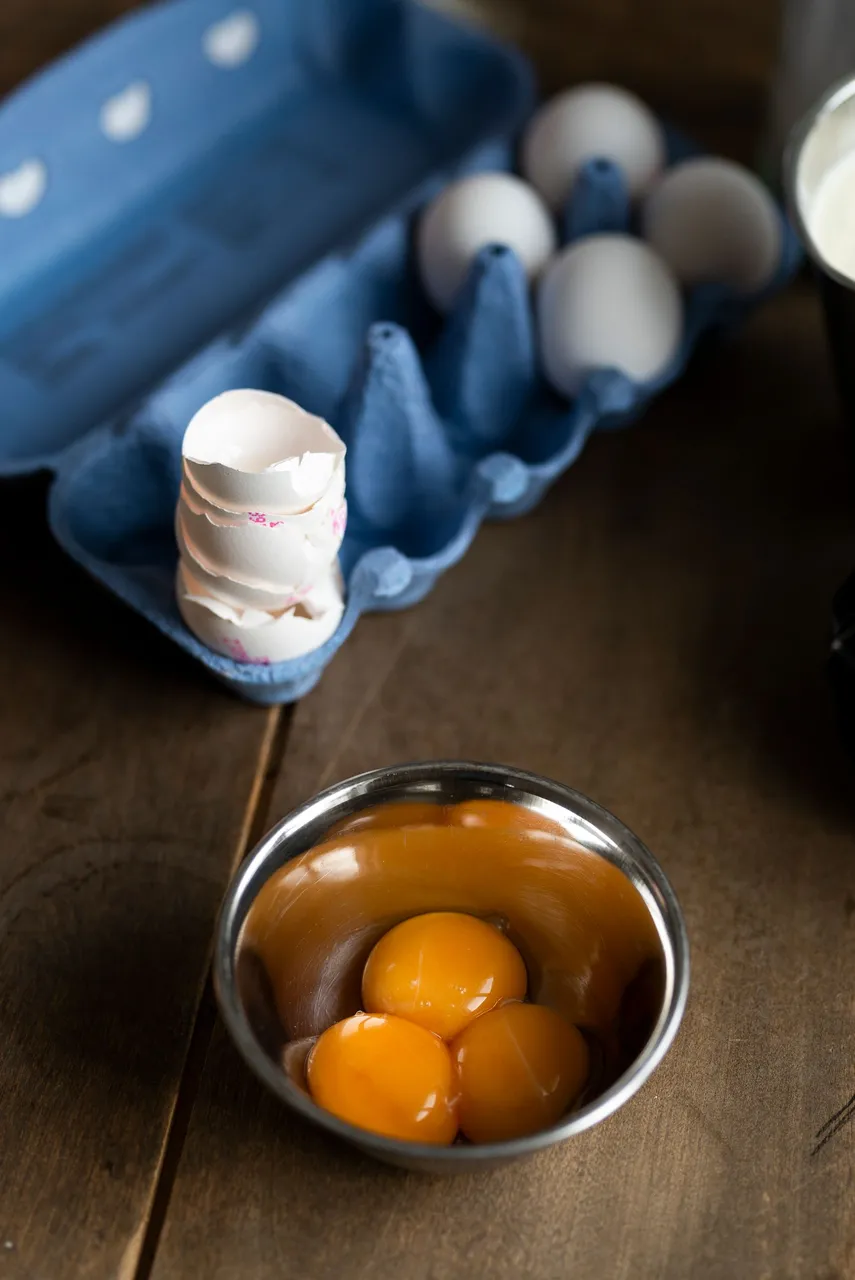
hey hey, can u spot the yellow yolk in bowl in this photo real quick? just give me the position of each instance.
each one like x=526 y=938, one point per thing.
x=501 y=815
x=396 y=817
x=518 y=1070
x=441 y=970
x=386 y=1075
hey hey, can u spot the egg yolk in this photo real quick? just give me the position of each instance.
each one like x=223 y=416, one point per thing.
x=441 y=970
x=518 y=1070
x=386 y=1075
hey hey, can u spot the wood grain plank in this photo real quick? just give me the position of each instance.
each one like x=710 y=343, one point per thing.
x=125 y=778
x=654 y=634
x=705 y=64
x=672 y=668
x=127 y=781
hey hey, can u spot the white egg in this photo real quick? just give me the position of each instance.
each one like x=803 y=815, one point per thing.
x=607 y=301
x=487 y=208
x=590 y=122
x=712 y=220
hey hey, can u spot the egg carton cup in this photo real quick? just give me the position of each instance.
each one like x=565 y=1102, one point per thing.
x=447 y=423
x=447 y=420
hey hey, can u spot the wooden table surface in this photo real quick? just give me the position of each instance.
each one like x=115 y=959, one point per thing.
x=654 y=635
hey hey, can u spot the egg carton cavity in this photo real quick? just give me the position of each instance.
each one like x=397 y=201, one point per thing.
x=447 y=420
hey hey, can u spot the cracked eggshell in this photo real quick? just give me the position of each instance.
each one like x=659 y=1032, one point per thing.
x=277 y=552
x=240 y=595
x=309 y=517
x=252 y=635
x=255 y=450
x=713 y=221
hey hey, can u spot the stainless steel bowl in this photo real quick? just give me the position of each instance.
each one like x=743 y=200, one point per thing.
x=247 y=1009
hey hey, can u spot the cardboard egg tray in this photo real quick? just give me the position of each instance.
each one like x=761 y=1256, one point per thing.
x=244 y=180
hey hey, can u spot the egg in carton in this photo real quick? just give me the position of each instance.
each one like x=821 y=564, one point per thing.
x=263 y=637
x=447 y=418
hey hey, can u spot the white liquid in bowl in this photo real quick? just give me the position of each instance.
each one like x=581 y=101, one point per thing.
x=831 y=217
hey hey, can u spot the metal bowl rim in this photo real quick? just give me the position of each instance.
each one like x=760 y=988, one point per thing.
x=365 y=785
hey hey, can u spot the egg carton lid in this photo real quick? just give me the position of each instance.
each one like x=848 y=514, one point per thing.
x=160 y=183
x=369 y=107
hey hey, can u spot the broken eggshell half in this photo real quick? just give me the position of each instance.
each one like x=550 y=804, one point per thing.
x=276 y=550
x=252 y=635
x=241 y=595
x=249 y=450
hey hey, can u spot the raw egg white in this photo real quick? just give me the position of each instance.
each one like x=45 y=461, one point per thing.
x=714 y=221
x=468 y=215
x=589 y=122
x=607 y=302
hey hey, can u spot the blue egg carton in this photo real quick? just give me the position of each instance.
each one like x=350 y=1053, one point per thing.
x=274 y=134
